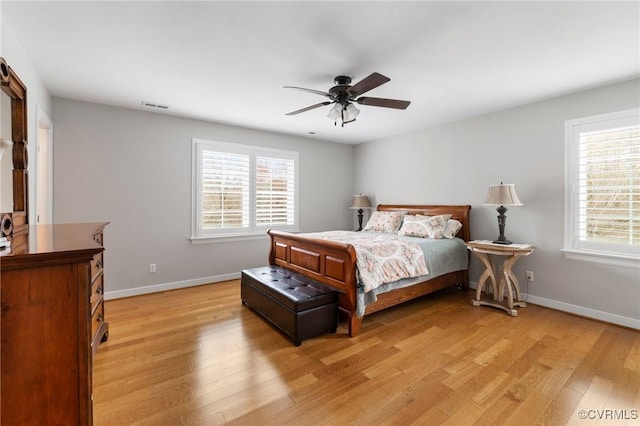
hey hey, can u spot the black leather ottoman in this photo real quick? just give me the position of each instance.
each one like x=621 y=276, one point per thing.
x=300 y=307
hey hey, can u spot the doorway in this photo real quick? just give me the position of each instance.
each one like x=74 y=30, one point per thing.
x=44 y=169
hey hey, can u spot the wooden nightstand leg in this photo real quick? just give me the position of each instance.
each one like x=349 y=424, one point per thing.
x=508 y=284
x=483 y=279
x=512 y=285
x=516 y=286
x=488 y=273
x=502 y=285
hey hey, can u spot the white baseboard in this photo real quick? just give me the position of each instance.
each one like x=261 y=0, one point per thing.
x=157 y=288
x=578 y=310
x=548 y=303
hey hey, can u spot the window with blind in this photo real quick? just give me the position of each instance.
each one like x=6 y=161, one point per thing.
x=242 y=190
x=602 y=194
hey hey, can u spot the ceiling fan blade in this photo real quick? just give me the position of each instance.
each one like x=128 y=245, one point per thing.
x=382 y=102
x=317 y=92
x=371 y=82
x=309 y=108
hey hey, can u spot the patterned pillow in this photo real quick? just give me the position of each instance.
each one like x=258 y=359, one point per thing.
x=384 y=222
x=424 y=226
x=451 y=228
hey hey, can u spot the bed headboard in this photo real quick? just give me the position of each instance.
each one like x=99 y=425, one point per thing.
x=457 y=212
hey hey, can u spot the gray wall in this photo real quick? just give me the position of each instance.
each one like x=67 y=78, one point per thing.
x=133 y=168
x=455 y=163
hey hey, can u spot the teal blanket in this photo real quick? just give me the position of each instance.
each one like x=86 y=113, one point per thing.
x=441 y=256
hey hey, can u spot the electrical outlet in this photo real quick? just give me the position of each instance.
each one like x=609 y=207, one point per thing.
x=530 y=276
x=152 y=268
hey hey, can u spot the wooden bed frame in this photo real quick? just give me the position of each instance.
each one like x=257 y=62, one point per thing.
x=334 y=263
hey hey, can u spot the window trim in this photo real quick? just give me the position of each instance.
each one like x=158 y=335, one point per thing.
x=606 y=254
x=253 y=231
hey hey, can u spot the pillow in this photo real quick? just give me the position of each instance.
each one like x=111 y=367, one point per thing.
x=424 y=226
x=451 y=228
x=384 y=222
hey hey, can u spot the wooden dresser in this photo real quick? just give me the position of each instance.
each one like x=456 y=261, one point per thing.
x=51 y=323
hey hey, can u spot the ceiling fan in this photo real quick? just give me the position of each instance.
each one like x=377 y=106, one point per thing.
x=343 y=95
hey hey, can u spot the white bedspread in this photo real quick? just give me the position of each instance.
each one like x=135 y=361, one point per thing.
x=381 y=258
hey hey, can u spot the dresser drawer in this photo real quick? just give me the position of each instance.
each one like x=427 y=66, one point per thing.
x=96 y=266
x=99 y=327
x=97 y=320
x=97 y=290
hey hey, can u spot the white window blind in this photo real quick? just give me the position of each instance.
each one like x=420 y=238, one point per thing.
x=275 y=191
x=603 y=184
x=609 y=186
x=224 y=190
x=242 y=190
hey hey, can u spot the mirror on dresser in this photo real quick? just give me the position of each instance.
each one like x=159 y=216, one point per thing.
x=6 y=145
x=14 y=177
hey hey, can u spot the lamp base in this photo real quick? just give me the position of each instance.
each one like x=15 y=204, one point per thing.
x=504 y=241
x=360 y=211
x=502 y=222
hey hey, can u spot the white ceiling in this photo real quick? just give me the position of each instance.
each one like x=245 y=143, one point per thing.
x=226 y=62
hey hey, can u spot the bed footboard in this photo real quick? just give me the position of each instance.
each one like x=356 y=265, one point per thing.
x=328 y=262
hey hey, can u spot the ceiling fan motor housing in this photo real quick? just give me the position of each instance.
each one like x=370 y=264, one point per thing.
x=342 y=79
x=340 y=90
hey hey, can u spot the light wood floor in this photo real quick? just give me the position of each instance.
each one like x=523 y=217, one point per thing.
x=198 y=357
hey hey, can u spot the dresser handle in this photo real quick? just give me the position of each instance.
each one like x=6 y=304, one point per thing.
x=99 y=290
x=99 y=264
x=100 y=318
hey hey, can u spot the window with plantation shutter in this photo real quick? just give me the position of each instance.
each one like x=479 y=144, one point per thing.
x=224 y=188
x=275 y=191
x=242 y=190
x=602 y=197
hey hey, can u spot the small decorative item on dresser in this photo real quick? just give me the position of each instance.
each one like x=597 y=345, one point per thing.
x=360 y=202
x=4 y=243
x=485 y=251
x=6 y=224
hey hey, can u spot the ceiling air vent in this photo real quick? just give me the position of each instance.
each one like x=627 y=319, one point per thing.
x=152 y=105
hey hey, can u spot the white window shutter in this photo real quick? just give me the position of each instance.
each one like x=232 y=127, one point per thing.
x=602 y=201
x=275 y=191
x=224 y=190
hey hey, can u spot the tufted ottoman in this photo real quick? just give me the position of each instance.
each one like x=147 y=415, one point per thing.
x=299 y=306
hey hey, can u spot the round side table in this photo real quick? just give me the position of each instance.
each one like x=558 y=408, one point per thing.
x=501 y=278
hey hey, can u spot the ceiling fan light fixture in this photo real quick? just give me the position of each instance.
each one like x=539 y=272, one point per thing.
x=344 y=113
x=350 y=113
x=335 y=112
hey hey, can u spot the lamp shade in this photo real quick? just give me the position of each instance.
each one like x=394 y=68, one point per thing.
x=360 y=202
x=502 y=195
